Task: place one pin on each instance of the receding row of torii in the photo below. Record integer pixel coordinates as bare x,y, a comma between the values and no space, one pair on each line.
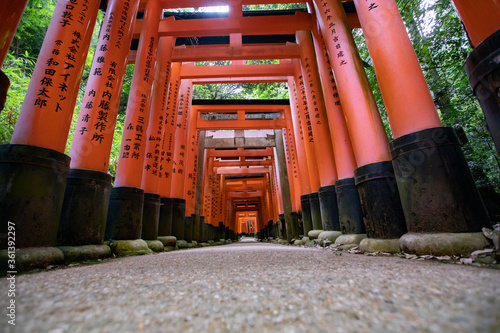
331,160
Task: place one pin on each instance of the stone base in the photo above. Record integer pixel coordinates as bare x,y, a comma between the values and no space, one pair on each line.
330,235
169,248
195,243
204,245
380,245
168,240
350,239
440,244
302,241
84,252
347,247
314,234
135,247
182,244
283,242
32,257
155,246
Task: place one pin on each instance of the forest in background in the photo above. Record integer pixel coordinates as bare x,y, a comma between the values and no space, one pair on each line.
436,32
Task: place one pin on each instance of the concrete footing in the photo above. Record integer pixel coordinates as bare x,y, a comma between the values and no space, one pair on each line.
380,245
32,257
440,244
350,239
155,245
329,235
182,244
133,247
84,252
314,234
168,240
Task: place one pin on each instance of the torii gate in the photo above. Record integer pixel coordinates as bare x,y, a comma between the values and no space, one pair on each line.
343,158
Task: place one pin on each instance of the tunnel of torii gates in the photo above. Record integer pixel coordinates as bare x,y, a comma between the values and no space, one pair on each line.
201,170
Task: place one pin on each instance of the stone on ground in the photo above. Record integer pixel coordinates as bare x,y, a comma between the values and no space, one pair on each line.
85,252
380,245
135,247
350,239
440,244
155,246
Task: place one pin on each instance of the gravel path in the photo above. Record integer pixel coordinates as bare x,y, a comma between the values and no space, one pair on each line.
255,287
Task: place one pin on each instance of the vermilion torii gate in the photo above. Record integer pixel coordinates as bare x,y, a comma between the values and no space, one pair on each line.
327,165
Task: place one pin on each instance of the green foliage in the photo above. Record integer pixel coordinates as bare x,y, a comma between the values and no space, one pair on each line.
32,27
19,71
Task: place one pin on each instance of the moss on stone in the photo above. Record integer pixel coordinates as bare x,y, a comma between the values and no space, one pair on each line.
168,240
155,246
134,247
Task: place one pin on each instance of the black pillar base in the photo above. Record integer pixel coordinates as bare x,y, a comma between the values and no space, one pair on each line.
437,191
165,220
124,220
295,222
151,216
483,69
203,230
380,202
85,208
178,213
188,229
329,209
306,213
32,186
350,213
315,211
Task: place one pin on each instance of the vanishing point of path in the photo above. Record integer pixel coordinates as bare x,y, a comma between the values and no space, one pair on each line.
256,287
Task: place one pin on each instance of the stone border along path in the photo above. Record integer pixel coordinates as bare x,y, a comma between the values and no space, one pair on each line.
257,287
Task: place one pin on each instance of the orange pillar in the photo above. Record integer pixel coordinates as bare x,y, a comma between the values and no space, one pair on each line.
480,18
192,163
181,151
46,113
33,167
169,131
152,171
367,133
305,222
96,123
83,218
130,160
9,20
307,130
305,185
342,148
432,183
165,221
374,177
179,163
407,98
317,110
127,198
